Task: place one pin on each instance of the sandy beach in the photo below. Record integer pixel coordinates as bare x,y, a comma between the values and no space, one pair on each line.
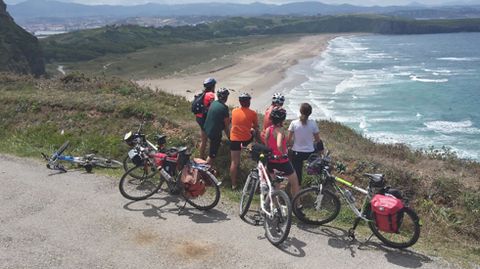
254,73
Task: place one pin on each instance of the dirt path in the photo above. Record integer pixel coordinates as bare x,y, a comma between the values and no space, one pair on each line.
78,220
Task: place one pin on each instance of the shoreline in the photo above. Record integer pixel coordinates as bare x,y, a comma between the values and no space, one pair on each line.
259,74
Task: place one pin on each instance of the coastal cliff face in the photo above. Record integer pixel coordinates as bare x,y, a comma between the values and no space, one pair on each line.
20,52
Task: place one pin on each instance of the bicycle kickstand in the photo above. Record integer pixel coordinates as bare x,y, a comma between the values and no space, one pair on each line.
351,231
182,208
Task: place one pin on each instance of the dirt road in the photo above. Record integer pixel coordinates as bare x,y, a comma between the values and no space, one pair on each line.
78,220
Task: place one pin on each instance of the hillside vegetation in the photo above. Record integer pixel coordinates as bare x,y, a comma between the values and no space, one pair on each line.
20,52
90,44
95,112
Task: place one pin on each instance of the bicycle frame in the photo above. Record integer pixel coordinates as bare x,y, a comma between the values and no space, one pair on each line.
264,178
368,194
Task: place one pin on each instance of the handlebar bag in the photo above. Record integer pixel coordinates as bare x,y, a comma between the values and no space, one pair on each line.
388,212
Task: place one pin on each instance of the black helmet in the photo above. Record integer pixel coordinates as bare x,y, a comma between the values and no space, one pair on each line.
278,115
209,83
278,99
222,94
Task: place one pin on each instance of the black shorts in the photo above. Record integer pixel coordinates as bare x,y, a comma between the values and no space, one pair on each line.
286,168
237,145
201,121
214,146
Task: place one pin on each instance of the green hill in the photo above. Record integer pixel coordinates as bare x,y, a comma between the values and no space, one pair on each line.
95,112
20,52
90,44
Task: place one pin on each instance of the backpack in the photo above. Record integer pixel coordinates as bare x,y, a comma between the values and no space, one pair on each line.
198,103
388,212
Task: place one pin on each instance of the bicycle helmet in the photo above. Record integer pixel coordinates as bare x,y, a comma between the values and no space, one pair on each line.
244,99
278,115
209,83
222,94
278,99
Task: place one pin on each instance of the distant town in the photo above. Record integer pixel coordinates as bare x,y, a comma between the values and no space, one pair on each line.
42,27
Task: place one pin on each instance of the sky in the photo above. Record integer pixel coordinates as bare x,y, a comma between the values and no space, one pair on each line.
353,2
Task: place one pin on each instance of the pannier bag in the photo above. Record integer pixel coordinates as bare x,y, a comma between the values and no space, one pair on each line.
197,104
388,212
192,181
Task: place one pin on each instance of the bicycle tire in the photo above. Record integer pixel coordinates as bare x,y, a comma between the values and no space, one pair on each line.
282,215
62,148
204,202
251,185
105,162
309,212
137,189
408,229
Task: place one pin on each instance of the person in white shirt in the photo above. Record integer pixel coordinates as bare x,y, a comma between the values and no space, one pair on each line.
306,139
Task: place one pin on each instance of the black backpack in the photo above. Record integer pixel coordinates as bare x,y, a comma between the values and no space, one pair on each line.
197,104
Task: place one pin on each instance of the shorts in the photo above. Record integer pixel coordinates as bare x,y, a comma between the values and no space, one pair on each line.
201,121
237,145
214,146
286,168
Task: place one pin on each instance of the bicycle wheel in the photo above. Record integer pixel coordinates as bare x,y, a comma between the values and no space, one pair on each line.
408,230
278,226
312,207
248,192
207,200
139,188
62,148
105,162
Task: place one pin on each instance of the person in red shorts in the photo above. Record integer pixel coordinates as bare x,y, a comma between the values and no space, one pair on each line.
277,101
244,126
209,90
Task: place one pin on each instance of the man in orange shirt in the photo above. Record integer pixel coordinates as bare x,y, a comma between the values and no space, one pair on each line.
209,90
244,126
277,100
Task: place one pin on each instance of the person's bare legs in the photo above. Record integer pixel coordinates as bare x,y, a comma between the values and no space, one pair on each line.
235,161
293,180
203,143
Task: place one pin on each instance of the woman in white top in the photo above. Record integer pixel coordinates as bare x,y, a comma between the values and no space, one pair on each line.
306,137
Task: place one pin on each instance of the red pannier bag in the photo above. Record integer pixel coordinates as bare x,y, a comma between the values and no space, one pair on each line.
192,181
387,211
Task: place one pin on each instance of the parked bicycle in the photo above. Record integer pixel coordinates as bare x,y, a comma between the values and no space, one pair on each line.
139,138
275,205
88,161
190,178
318,205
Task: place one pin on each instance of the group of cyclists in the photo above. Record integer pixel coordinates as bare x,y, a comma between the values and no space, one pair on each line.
242,127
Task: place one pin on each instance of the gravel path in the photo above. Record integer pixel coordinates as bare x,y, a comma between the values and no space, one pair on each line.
78,220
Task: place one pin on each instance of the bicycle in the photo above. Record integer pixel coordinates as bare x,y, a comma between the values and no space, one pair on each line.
169,167
275,205
133,139
88,161
319,205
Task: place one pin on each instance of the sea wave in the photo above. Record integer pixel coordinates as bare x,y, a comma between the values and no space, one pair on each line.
428,80
450,127
459,59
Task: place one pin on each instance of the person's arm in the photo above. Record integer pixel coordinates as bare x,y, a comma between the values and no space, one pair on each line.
316,137
290,134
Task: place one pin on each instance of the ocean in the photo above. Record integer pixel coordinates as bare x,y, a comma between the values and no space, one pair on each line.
420,90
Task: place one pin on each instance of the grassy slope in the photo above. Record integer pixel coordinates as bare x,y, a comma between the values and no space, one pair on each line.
95,112
163,59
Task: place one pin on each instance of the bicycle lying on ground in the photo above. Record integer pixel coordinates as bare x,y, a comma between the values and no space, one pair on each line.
88,161
275,205
190,178
318,205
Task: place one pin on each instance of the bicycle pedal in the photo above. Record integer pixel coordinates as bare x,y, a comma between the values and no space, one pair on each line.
351,234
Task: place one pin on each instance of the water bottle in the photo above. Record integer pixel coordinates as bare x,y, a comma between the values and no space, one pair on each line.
349,196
